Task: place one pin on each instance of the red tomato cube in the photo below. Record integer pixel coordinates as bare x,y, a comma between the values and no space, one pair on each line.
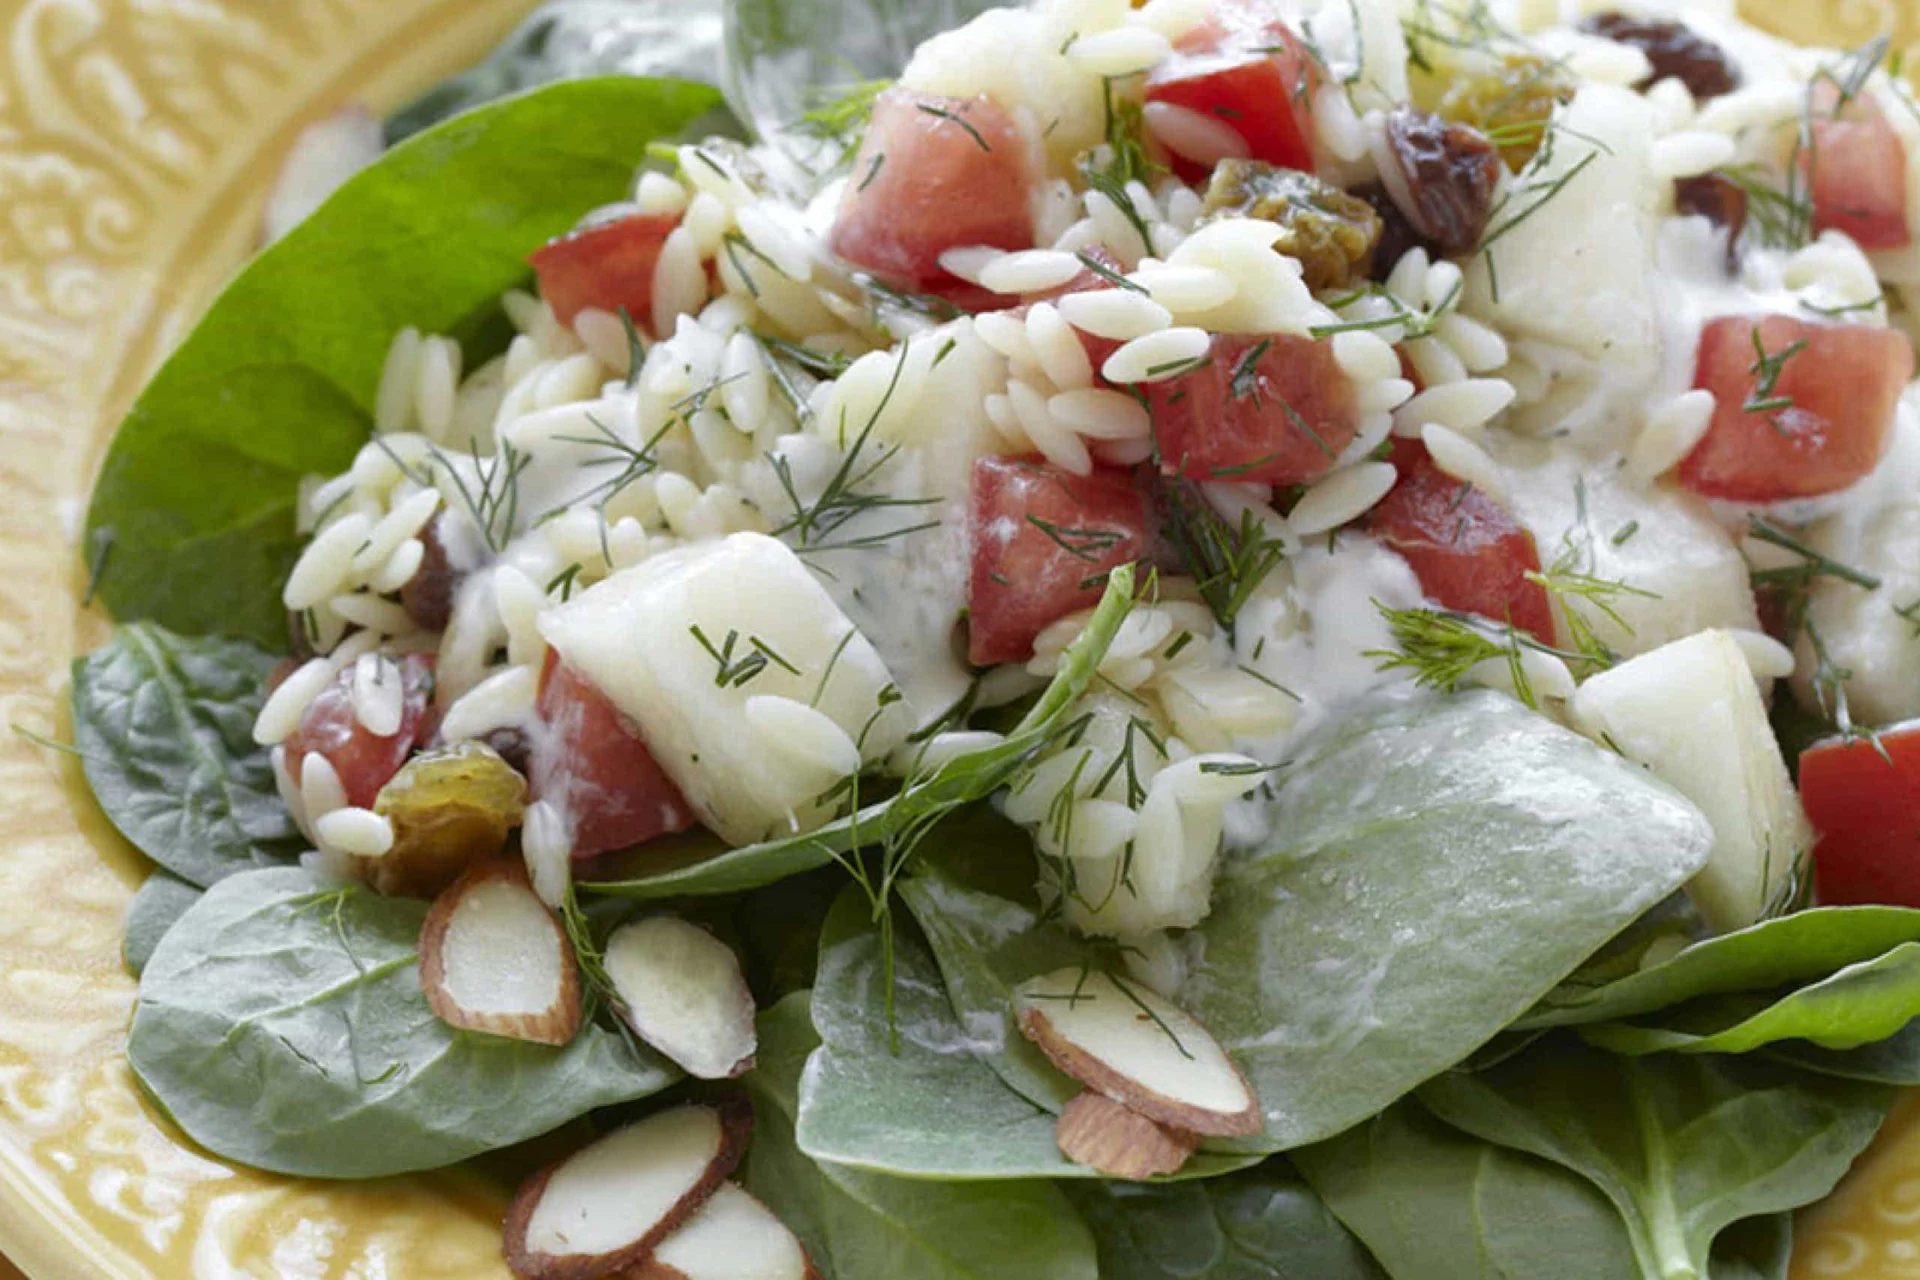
591,762
364,760
1275,411
1043,542
608,267
1467,551
1858,170
934,174
1246,69
1821,424
1866,809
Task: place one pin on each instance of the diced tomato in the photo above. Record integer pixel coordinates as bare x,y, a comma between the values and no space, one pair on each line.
1245,68
1858,167
1043,541
934,174
1275,411
1867,813
606,267
592,763
1823,422
365,761
1467,551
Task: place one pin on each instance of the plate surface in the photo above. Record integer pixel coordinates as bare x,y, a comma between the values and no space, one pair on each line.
136,141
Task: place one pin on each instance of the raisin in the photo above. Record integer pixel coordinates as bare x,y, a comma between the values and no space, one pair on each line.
428,595
1450,171
1330,233
1512,105
1397,236
1721,201
1675,49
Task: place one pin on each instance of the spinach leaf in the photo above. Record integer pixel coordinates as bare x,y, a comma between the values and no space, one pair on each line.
164,726
1682,1146
281,1025
1261,1224
575,39
972,894
901,820
196,497
1432,1202
156,905
1790,950
1431,871
1895,1060
1861,1004
1756,1249
866,1226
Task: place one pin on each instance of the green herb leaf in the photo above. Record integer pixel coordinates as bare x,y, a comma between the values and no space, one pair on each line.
160,901
278,379
1894,1061
1432,871
281,1024
164,726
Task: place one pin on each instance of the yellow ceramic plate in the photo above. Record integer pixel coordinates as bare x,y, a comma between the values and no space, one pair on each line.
136,141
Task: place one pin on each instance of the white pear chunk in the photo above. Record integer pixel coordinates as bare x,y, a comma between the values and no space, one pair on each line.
732,1237
493,959
1118,1142
607,1206
748,682
1122,1040
1691,713
682,991
1864,631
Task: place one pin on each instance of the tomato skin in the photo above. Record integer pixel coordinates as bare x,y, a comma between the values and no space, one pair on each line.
1858,167
364,762
1023,577
589,760
934,174
1245,68
1845,386
1867,814
606,267
1214,425
1467,551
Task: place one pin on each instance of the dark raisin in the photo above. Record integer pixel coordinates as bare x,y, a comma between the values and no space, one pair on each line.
1721,201
428,595
1450,171
1397,236
1330,233
512,746
1675,49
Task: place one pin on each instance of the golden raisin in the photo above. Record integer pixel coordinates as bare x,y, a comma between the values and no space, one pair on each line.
1331,233
1511,106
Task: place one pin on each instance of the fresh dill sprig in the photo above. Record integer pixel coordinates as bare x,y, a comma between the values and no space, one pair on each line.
1813,564
840,115
1082,544
732,672
1769,367
43,741
1228,564
955,118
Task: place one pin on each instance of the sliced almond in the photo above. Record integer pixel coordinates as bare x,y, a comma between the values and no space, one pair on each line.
682,991
1098,1132
1120,1039
609,1205
493,959
732,1237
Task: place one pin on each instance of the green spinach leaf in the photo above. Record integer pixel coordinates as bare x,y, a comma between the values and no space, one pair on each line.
899,821
160,901
1432,871
196,497
1794,949
1261,1224
1432,1202
1895,1060
1682,1146
281,1024
867,1226
1755,1249
1861,1004
164,726
575,39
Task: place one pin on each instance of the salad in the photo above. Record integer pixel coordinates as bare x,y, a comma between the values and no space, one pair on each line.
1214,638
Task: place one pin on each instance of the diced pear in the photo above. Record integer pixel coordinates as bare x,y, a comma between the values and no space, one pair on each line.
1691,713
753,690
1863,630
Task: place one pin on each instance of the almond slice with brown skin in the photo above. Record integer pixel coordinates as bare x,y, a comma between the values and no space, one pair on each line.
732,1237
606,1208
1098,1132
494,959
1120,1039
682,991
